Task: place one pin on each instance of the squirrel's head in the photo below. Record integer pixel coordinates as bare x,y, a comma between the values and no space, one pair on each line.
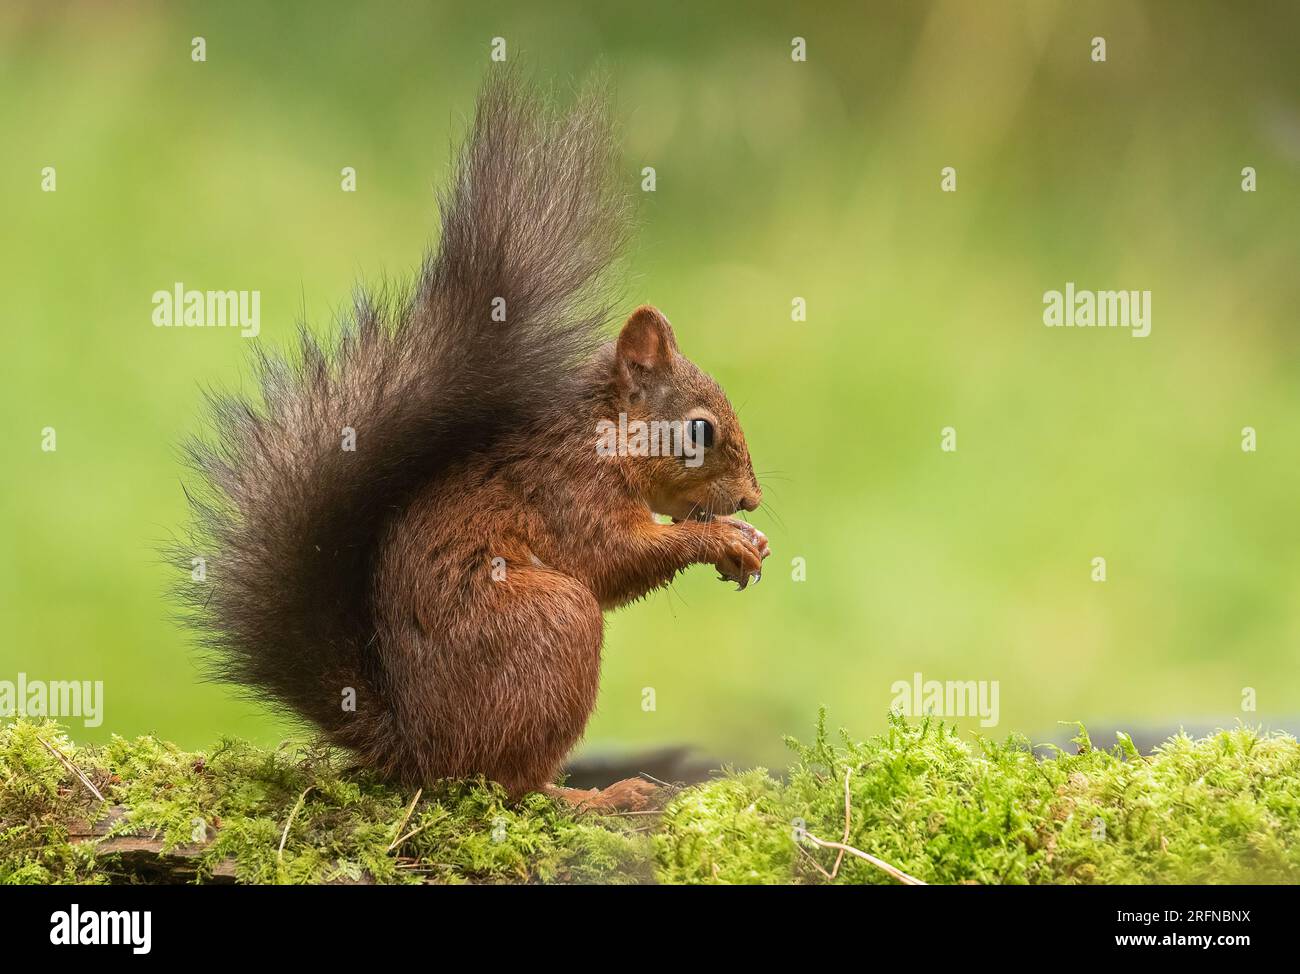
685,449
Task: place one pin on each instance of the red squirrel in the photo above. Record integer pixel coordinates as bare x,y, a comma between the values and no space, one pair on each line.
411,535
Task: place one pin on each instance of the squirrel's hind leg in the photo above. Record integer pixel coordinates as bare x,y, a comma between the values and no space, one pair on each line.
539,654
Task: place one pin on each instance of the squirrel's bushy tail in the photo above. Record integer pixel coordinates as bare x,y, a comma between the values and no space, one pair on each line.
287,520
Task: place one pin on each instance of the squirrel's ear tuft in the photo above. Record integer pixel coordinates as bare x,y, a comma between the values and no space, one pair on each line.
646,343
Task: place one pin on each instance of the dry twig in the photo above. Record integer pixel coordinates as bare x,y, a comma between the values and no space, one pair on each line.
292,815
405,818
843,847
71,767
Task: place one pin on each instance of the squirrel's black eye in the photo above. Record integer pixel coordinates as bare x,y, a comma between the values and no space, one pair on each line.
701,432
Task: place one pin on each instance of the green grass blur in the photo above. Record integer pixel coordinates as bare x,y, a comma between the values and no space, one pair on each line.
775,180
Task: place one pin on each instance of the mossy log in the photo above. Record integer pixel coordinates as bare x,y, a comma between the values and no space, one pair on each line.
145,855
914,804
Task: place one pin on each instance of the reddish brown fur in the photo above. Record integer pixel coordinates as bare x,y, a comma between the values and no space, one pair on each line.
354,588
500,676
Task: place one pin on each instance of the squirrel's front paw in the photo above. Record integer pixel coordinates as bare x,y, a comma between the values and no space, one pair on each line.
743,549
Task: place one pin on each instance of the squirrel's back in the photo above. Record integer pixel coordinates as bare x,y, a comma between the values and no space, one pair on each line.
289,521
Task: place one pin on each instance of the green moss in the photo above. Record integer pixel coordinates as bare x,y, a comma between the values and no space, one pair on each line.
1222,809
37,801
236,801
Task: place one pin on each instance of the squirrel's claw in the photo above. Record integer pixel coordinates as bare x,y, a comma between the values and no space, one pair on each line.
741,581
742,561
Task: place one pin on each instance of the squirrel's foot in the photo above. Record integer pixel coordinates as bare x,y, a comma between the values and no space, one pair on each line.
745,547
628,795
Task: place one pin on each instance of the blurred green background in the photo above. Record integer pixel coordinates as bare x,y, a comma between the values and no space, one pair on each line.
775,180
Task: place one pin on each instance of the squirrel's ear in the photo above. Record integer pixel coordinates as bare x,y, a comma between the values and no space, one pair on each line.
646,343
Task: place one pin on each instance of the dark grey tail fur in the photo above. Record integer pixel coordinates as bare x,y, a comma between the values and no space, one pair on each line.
287,520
